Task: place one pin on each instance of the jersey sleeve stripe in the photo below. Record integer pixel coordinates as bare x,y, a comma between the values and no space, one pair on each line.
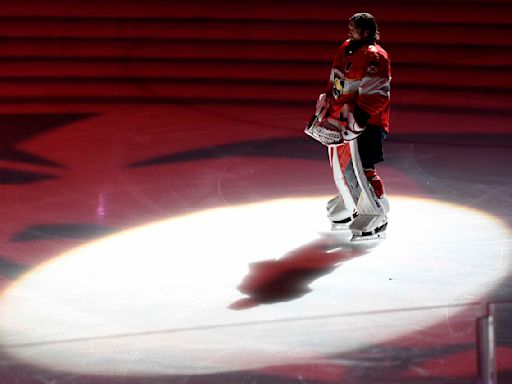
372,86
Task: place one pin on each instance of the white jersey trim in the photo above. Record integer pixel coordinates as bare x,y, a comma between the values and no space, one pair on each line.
374,86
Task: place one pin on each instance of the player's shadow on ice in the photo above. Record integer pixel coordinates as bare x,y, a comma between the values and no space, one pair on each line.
289,277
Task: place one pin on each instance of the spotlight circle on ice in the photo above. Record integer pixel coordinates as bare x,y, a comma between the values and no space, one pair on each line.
161,298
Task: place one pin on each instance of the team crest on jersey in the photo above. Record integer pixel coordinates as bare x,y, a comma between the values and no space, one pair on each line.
373,67
337,81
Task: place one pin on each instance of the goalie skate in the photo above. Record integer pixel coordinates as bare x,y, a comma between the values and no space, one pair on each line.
375,234
340,225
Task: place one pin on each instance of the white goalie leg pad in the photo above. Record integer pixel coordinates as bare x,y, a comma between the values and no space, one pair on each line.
341,209
336,209
331,203
385,203
368,202
339,215
379,232
372,210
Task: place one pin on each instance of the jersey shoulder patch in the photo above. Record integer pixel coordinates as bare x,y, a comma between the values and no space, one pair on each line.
376,60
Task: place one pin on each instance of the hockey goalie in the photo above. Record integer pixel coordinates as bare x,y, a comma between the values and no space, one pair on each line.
352,120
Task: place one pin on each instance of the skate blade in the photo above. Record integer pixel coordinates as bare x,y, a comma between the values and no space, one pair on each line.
375,236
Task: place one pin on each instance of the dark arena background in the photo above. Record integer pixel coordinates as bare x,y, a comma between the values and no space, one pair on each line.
163,213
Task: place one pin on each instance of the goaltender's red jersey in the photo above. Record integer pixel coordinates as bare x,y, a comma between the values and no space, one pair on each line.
363,77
